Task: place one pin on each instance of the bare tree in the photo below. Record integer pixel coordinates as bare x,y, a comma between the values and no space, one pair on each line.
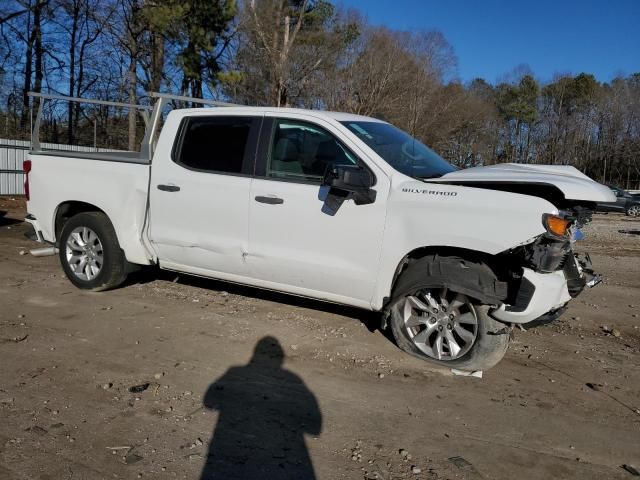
283,47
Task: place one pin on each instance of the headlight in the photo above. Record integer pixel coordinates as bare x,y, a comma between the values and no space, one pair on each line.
555,225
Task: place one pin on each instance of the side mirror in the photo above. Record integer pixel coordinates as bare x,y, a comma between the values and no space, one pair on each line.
351,179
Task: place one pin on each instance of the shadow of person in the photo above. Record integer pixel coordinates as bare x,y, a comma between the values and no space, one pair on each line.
264,412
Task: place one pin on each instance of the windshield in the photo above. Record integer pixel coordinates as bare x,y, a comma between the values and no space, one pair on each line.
401,150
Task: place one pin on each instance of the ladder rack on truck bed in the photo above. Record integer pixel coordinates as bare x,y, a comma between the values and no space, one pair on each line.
151,122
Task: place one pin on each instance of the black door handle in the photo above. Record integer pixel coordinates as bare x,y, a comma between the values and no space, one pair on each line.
269,200
169,188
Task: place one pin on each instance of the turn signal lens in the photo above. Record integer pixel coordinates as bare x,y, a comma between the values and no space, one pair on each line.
555,225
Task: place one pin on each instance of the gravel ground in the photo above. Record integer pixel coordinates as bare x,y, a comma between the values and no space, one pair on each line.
153,379
603,234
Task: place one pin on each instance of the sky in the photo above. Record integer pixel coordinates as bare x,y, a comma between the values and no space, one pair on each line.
492,37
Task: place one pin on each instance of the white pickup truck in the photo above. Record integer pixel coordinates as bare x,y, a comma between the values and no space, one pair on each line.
332,206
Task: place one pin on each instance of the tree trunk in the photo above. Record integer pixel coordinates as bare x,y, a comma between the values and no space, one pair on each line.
516,149
72,70
157,61
28,65
132,72
37,29
528,145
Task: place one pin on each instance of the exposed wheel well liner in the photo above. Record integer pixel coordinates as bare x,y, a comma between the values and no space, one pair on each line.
470,272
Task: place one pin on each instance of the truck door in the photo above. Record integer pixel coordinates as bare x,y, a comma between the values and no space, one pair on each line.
297,242
199,195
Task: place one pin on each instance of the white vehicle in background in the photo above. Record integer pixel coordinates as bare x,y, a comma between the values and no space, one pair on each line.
332,206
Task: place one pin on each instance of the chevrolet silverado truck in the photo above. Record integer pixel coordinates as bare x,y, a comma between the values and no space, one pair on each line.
332,206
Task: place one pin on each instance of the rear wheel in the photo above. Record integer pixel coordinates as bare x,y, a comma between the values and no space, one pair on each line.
633,211
90,254
443,326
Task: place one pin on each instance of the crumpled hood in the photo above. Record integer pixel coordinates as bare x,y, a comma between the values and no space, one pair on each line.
573,184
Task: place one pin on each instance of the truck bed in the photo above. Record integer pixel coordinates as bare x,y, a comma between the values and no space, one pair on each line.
113,182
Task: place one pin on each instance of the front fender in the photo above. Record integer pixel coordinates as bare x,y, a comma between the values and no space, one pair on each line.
424,214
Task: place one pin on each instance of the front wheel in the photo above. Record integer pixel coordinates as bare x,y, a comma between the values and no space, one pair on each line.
90,254
633,211
443,326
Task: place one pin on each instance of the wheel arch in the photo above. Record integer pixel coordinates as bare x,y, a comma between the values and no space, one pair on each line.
476,258
67,209
128,231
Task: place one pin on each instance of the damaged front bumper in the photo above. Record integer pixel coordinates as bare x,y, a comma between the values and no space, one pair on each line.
545,274
539,293
544,295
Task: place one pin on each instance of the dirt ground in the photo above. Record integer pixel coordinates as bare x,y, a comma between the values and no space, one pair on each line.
326,395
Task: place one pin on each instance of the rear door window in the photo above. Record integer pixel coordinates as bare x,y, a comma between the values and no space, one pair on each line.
218,144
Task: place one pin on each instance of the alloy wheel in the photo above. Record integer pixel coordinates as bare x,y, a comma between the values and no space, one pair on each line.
84,253
440,323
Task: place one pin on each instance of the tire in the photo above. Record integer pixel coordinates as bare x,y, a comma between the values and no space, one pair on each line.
481,340
633,211
90,238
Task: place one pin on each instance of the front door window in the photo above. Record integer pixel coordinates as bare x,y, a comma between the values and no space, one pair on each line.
302,151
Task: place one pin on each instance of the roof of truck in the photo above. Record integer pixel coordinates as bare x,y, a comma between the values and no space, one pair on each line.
338,116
